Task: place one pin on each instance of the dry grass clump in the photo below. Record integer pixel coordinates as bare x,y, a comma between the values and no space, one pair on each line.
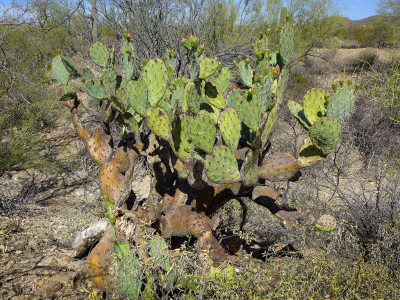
362,61
316,275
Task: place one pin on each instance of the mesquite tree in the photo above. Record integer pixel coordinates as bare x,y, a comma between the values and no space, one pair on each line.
204,142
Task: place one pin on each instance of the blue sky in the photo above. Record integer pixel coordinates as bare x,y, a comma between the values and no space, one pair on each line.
357,9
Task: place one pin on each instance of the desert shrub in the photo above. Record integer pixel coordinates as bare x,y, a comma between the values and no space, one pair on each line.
350,44
362,61
383,85
28,106
21,128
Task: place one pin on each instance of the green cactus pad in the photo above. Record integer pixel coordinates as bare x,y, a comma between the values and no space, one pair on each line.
314,105
123,98
265,94
221,165
156,78
164,104
191,99
209,111
270,125
208,66
274,59
249,110
194,68
87,74
282,84
159,122
229,125
121,82
278,167
109,79
325,134
177,96
256,88
248,173
202,132
232,98
298,112
129,277
262,43
171,60
181,139
286,43
95,89
129,59
214,95
99,54
261,68
326,222
223,79
69,63
246,73
341,103
59,70
137,96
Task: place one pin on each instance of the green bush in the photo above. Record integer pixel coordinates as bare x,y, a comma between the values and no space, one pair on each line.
27,102
383,85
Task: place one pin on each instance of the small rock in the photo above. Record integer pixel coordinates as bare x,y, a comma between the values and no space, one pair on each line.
20,246
77,264
18,252
50,289
88,237
61,277
49,261
33,244
10,271
40,282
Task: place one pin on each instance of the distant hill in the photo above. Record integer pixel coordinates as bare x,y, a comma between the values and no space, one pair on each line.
362,22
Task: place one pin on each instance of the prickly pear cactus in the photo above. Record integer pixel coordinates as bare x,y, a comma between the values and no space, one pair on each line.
204,142
322,115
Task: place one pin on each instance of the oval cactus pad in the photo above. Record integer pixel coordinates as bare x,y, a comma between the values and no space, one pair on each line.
314,105
325,134
214,95
342,103
180,136
158,121
59,71
278,167
221,166
208,66
156,78
229,125
223,79
202,132
137,96
250,110
99,54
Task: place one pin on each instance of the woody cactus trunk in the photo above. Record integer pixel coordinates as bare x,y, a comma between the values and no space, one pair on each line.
204,143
